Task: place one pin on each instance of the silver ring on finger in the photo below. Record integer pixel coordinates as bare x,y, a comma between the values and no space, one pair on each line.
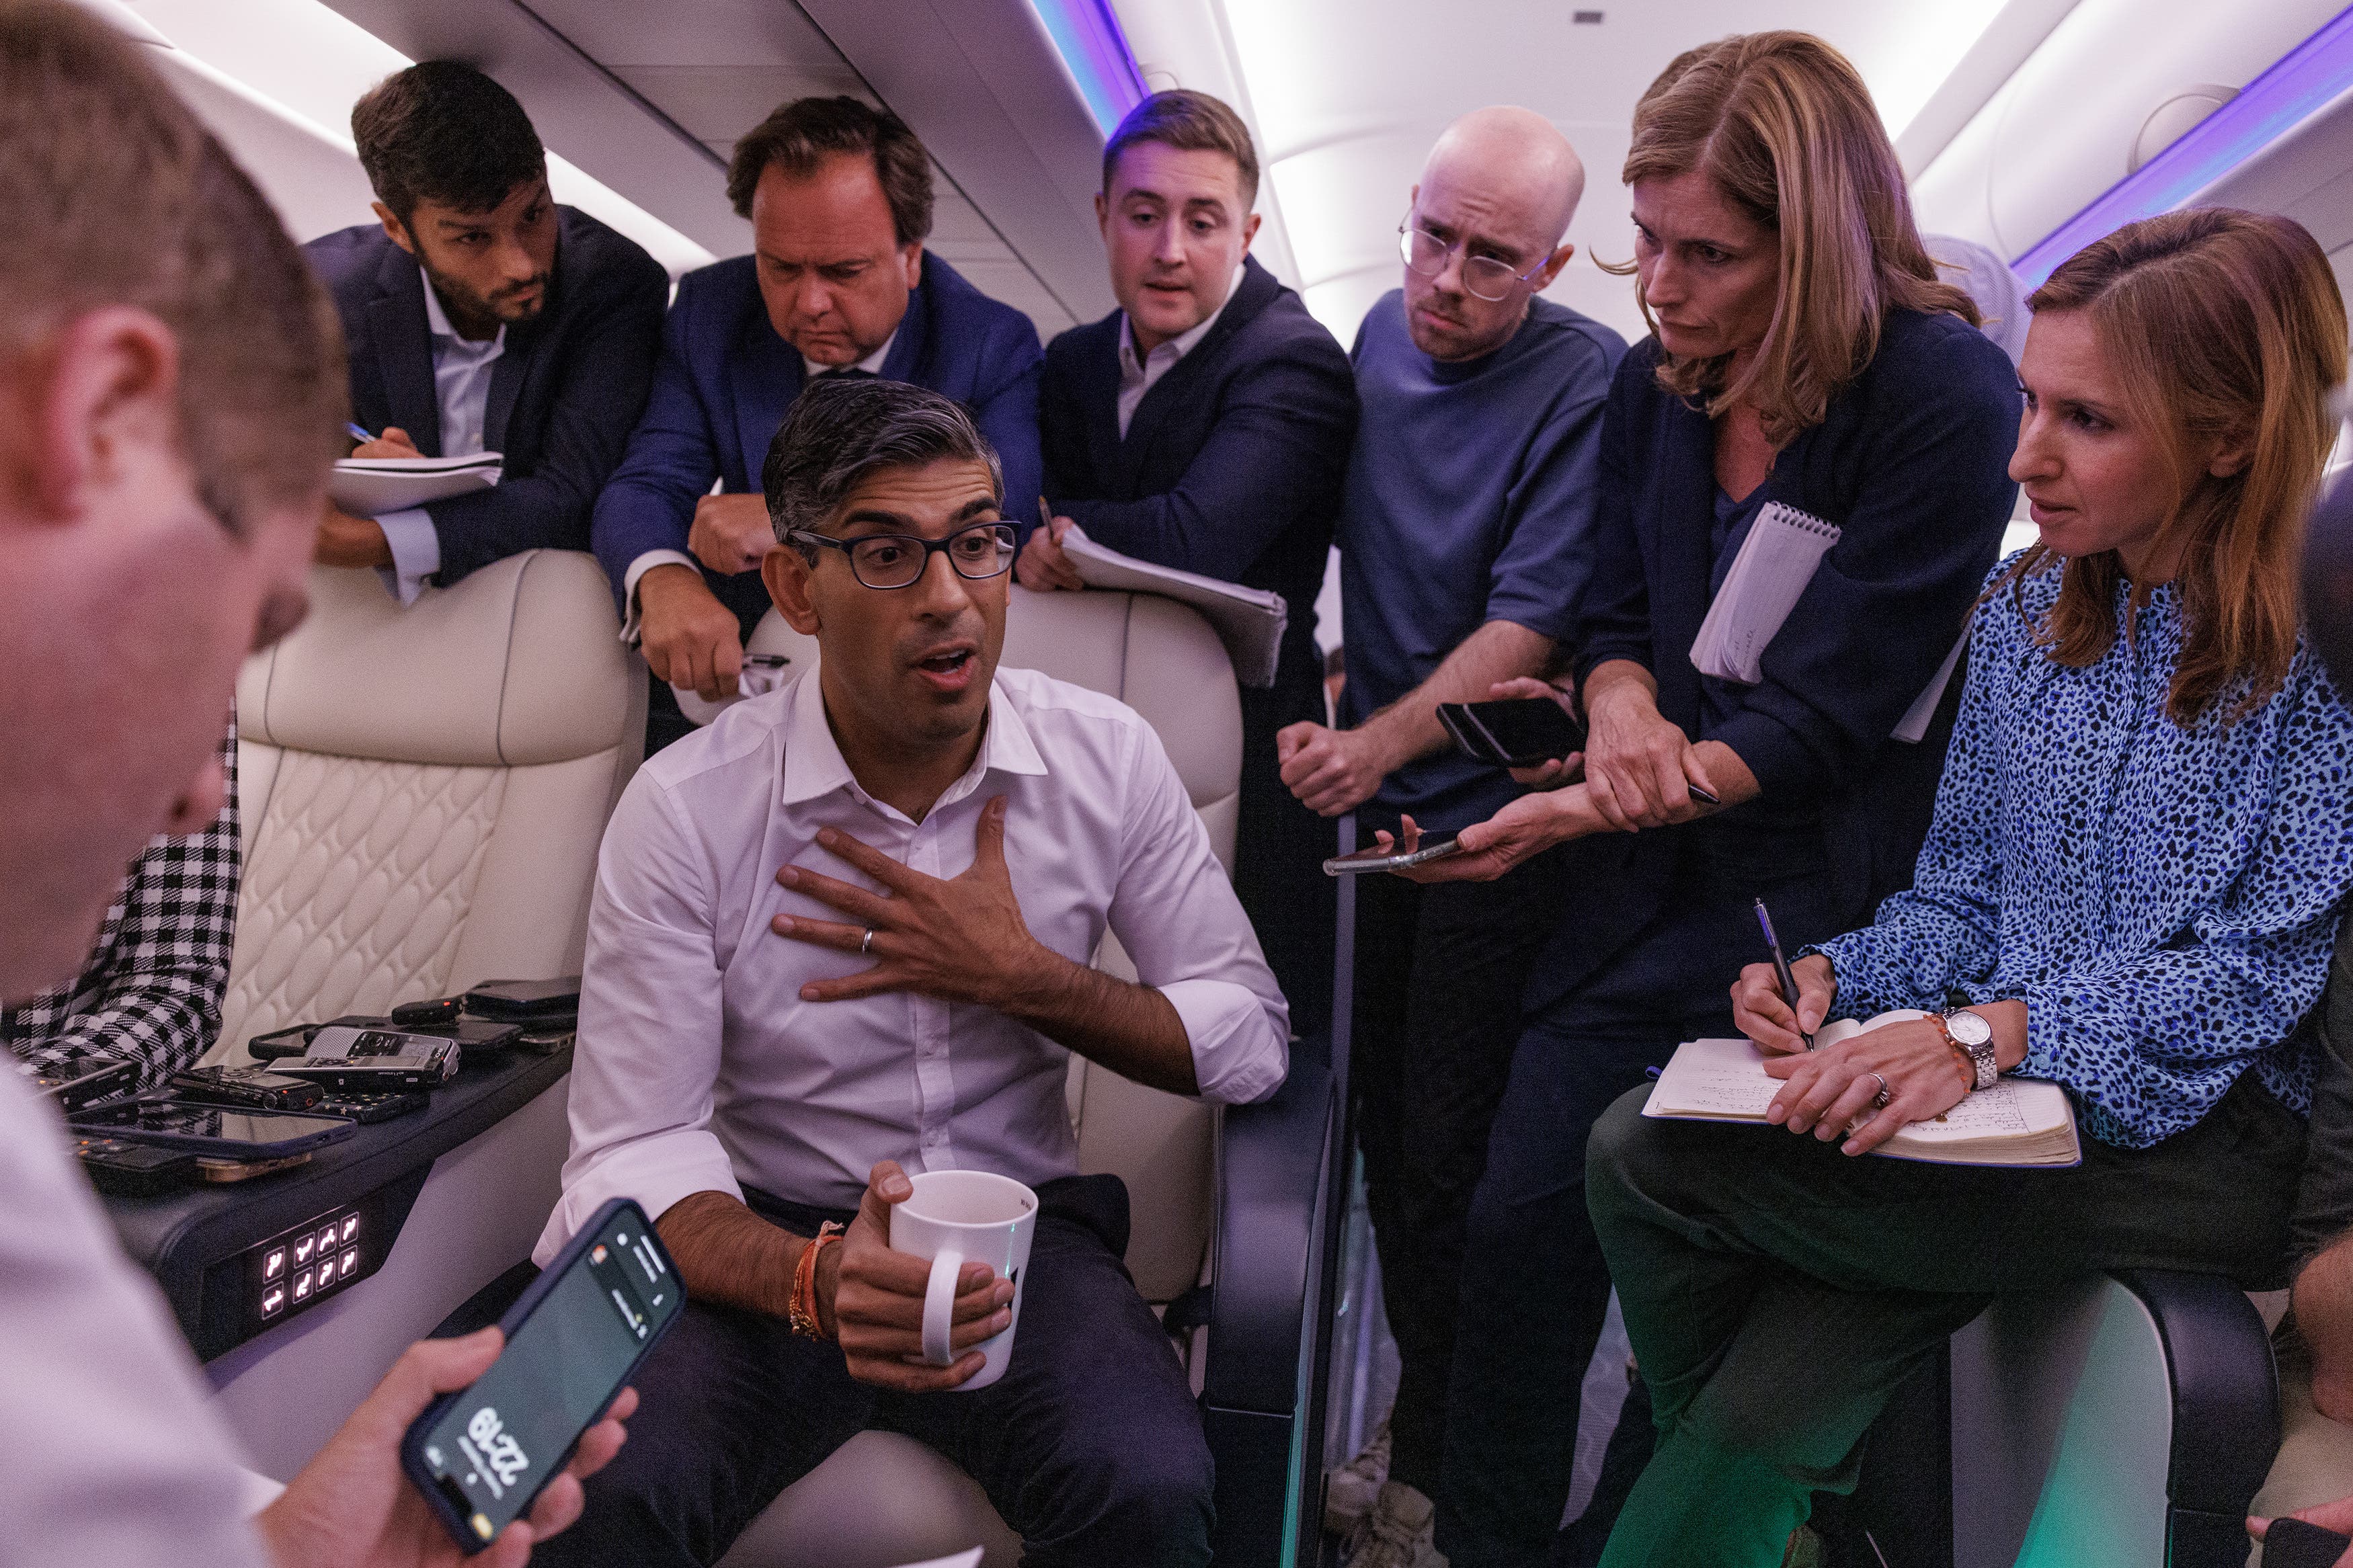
1880,1099
866,945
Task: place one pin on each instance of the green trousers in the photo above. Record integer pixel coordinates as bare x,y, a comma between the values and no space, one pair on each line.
1777,1291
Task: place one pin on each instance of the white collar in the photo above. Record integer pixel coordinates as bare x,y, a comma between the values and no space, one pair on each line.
871,365
1184,342
436,322
814,766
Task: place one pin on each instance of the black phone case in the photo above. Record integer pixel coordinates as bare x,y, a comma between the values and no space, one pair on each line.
412,1442
1574,735
217,1148
2292,1544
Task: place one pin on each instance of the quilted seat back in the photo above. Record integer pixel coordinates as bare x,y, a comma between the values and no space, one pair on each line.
424,789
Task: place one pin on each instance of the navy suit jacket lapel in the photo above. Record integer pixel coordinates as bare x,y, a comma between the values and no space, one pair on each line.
768,377
404,347
1171,392
508,374
909,358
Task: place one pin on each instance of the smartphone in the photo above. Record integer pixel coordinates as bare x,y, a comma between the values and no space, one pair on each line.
525,999
481,1455
2292,1544
217,1131
1513,731
79,1084
1390,859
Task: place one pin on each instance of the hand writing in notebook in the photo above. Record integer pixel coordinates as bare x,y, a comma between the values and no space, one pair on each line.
1760,1011
1826,1090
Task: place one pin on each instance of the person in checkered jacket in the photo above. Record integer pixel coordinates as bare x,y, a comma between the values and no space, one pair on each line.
150,993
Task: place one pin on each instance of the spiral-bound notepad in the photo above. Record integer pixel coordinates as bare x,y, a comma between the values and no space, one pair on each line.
1775,564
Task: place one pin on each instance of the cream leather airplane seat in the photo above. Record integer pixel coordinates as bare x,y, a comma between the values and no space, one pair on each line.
424,789
883,1498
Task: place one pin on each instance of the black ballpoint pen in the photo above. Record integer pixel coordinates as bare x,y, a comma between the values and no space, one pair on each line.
1781,970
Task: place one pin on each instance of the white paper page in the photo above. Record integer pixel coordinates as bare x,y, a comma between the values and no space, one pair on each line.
370,487
1249,621
1915,722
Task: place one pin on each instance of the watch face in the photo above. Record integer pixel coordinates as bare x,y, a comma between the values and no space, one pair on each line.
1969,1029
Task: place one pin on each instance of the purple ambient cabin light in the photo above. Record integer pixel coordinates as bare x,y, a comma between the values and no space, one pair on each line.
2304,80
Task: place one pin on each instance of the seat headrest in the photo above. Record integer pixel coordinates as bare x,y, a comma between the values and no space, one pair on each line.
520,663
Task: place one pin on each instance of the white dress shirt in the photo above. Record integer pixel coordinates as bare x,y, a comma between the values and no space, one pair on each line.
110,1453
647,559
699,1068
461,393
1136,375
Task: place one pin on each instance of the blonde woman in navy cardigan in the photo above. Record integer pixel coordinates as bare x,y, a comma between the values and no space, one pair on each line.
1804,352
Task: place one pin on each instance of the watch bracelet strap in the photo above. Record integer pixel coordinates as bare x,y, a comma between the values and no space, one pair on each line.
1978,1078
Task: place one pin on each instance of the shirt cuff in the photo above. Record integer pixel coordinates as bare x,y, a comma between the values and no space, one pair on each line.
415,552
638,568
1241,1046
658,1171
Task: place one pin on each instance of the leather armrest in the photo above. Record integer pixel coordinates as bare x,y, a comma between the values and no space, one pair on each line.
1272,1160
2225,1385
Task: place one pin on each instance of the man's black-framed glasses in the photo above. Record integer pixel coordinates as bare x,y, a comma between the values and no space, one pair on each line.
900,559
1482,275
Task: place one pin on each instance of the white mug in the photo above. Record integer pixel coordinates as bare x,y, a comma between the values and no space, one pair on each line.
955,1217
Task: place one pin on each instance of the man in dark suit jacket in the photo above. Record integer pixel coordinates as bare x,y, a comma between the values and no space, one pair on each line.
840,197
1205,425
480,316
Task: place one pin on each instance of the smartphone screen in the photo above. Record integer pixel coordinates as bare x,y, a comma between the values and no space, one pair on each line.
492,1447
177,1121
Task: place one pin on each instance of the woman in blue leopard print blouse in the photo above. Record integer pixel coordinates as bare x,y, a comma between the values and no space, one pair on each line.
2142,848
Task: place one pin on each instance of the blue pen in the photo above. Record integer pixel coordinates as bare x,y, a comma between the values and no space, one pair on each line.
1781,969
357,433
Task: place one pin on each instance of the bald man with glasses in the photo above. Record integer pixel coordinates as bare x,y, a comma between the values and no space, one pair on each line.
1463,537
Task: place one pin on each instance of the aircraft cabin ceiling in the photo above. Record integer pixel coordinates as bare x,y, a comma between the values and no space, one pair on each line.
2012,115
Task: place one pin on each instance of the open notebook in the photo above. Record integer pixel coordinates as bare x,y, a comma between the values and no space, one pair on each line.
2018,1121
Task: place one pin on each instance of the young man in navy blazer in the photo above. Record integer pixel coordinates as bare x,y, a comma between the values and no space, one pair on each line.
840,197
1205,425
481,317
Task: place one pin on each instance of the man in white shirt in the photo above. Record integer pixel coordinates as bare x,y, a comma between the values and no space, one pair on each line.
843,934
168,407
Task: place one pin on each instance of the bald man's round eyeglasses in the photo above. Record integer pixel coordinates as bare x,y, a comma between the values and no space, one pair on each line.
1482,275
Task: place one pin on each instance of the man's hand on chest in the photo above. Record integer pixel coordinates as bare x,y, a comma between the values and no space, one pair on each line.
959,939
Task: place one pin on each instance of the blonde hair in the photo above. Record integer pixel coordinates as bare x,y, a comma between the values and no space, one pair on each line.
1784,127
2222,327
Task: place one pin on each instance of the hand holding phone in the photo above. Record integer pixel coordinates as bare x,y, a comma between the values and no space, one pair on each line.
351,1504
481,1455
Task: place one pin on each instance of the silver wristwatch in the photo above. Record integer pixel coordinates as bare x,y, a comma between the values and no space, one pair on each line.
1970,1034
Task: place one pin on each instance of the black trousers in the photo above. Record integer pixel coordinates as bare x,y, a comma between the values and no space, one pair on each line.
1439,972
1534,1286
1089,1446
1280,847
